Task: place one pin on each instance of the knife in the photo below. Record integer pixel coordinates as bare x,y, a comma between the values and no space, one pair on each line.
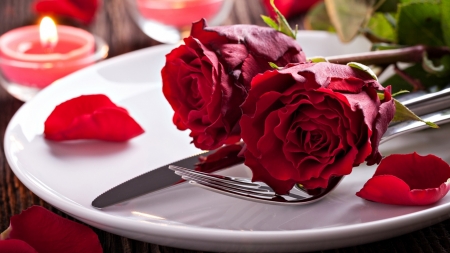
151,181
162,177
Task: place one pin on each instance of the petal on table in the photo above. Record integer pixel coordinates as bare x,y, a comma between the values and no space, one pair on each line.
15,246
47,232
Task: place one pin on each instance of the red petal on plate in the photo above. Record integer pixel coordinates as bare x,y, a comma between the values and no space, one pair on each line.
90,117
15,246
408,179
82,10
48,232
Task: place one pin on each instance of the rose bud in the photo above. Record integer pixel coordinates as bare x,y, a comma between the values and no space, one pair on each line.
409,179
309,122
207,79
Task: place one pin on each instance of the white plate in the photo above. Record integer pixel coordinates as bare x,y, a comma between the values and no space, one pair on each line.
70,175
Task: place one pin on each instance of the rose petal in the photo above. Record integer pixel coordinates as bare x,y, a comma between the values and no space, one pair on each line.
47,232
408,179
264,44
261,174
90,117
385,115
15,246
267,42
82,10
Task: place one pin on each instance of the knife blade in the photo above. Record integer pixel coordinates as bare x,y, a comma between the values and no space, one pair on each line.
162,177
146,183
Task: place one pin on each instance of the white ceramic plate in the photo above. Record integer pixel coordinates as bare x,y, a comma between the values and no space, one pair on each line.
70,175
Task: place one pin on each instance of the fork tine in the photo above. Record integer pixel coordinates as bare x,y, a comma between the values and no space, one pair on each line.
218,178
230,183
231,191
244,189
225,185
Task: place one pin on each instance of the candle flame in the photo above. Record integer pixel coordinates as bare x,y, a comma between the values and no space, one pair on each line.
48,33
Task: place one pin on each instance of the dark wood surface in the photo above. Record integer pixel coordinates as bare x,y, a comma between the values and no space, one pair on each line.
114,25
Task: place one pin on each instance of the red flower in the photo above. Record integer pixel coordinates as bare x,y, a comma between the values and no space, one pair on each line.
207,79
408,179
90,117
82,10
289,8
39,230
309,122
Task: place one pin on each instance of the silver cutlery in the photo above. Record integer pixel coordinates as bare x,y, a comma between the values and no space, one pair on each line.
244,188
161,177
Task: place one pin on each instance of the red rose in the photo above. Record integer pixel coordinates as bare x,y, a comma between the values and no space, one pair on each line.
309,122
207,79
408,179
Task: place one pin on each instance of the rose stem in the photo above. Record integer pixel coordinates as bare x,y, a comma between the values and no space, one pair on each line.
406,54
416,84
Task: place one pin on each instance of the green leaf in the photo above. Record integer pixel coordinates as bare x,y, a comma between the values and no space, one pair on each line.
400,92
402,113
349,16
381,27
445,20
317,19
428,66
282,24
416,71
274,66
318,59
420,23
439,67
364,68
270,22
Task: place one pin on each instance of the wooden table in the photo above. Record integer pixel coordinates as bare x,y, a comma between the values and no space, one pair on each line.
115,26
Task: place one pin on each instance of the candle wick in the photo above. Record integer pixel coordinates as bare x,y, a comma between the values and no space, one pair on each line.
48,46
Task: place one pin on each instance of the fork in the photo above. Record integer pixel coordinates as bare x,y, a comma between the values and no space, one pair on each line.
260,192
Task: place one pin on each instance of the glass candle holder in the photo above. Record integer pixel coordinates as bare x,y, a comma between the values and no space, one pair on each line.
26,68
168,21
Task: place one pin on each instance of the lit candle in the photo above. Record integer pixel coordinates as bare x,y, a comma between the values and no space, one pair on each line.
36,56
178,13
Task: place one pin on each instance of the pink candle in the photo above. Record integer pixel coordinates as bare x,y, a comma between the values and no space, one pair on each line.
28,61
178,13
